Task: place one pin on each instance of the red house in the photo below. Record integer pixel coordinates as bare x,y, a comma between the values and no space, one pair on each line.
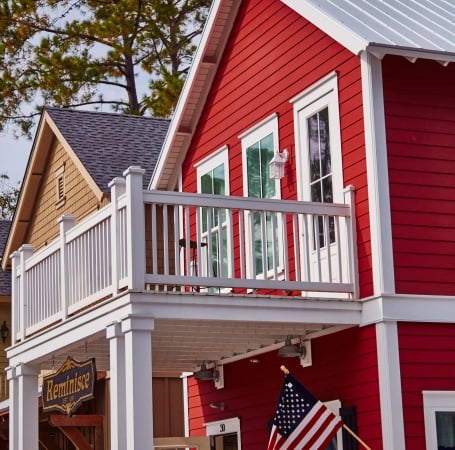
360,98
302,205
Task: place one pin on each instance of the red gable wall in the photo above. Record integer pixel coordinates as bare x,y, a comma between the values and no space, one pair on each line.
344,368
420,120
273,54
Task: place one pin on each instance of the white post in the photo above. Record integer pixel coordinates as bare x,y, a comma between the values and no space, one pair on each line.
15,296
138,382
117,186
66,222
28,420
351,235
13,385
117,386
135,228
26,251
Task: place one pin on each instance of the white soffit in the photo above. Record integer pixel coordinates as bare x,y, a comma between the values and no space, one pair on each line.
406,26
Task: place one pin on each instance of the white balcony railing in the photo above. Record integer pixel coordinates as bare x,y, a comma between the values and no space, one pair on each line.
182,242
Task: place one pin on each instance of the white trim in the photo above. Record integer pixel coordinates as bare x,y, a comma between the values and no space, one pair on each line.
377,175
213,155
258,125
390,385
408,308
217,158
226,426
334,407
434,401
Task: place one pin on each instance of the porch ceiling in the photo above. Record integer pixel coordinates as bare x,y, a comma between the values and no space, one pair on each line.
181,345
191,329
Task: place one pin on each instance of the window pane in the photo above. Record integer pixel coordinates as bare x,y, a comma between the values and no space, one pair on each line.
218,180
445,429
253,170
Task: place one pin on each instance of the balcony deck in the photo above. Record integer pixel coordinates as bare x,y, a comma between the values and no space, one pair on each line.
169,242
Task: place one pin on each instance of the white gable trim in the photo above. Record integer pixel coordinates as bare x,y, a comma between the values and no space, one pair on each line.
338,31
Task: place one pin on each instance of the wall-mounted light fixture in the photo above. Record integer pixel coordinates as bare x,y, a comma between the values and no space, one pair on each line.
276,165
4,331
216,375
303,351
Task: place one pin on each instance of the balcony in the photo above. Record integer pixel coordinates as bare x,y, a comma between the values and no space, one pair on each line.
158,242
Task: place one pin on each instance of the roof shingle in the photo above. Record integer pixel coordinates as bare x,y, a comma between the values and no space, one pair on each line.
108,143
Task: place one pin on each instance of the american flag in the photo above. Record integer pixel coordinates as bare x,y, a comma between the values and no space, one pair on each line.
301,421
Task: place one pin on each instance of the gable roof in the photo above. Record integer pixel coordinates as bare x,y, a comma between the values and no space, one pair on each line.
101,145
5,275
410,28
107,144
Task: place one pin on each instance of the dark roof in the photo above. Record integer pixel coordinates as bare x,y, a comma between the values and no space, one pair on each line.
5,275
107,143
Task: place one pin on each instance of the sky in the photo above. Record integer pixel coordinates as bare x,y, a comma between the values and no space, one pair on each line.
14,155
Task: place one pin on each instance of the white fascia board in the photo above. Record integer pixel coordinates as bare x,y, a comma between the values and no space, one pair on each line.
328,25
185,94
380,51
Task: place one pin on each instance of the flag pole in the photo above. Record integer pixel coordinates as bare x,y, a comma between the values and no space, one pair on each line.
355,436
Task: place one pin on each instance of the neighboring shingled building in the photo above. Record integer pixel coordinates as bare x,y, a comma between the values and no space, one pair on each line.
5,275
120,141
74,157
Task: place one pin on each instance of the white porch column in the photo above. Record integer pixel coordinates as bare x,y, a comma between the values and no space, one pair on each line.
135,229
390,385
138,379
27,417
13,384
117,386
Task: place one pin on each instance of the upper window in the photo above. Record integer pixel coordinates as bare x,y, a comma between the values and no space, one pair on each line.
212,178
439,414
259,144
319,174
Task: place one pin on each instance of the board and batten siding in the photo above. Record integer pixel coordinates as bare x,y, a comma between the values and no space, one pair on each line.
79,198
420,121
427,363
344,368
272,55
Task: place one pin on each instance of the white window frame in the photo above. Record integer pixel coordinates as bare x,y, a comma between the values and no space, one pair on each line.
435,401
262,129
322,94
334,406
217,158
316,97
226,426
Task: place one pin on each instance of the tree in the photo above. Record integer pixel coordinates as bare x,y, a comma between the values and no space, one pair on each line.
71,53
9,194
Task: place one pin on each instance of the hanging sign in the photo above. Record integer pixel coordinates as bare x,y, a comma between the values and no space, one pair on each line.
72,384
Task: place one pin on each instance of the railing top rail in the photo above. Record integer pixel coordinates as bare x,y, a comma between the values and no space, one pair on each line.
246,203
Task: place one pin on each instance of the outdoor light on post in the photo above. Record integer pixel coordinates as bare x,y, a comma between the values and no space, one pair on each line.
4,331
276,165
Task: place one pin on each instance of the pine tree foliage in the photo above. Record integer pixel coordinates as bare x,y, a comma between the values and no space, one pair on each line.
91,53
9,194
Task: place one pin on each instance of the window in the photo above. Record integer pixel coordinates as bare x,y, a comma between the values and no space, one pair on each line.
439,416
60,186
212,177
319,168
258,147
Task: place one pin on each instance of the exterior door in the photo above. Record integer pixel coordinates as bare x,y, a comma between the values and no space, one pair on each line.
320,177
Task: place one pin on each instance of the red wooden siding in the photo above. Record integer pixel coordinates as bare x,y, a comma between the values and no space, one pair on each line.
420,120
344,368
272,55
427,362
